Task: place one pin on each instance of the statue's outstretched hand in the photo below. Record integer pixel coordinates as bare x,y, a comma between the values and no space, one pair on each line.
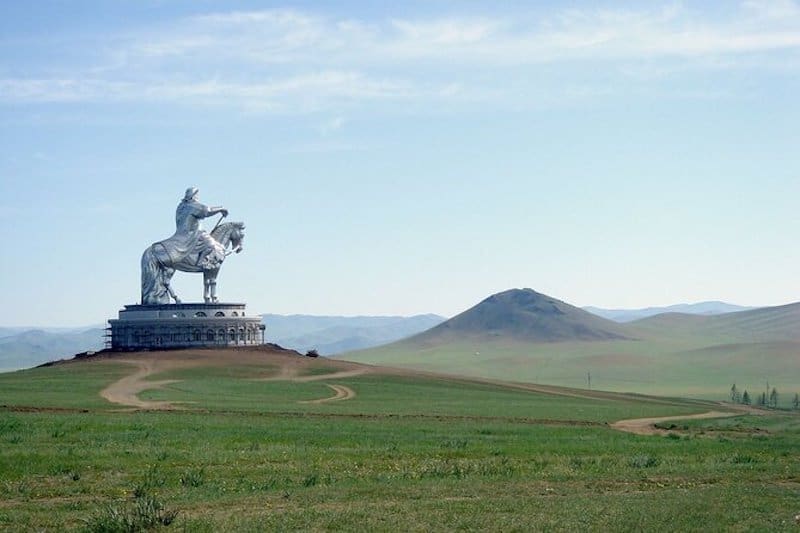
224,212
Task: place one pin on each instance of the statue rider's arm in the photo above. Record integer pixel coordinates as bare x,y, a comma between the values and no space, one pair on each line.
211,211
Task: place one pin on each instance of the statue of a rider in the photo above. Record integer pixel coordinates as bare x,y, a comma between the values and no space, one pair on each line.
189,249
190,237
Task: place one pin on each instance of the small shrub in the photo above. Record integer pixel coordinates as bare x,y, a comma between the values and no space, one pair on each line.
456,444
9,424
146,513
576,463
310,480
152,478
643,461
741,459
193,477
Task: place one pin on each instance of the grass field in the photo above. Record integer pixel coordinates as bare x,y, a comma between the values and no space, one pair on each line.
511,338
686,367
407,451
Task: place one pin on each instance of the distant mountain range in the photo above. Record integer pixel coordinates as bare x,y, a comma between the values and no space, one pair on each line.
27,348
329,335
701,308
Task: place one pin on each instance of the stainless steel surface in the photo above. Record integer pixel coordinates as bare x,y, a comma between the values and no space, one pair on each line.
189,249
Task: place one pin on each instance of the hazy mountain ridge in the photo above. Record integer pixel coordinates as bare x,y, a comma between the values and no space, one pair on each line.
700,308
27,347
765,324
330,335
36,346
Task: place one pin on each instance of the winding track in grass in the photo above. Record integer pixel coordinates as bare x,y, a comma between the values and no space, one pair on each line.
125,391
647,426
343,392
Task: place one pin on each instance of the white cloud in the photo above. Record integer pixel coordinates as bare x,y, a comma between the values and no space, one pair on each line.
304,92
285,60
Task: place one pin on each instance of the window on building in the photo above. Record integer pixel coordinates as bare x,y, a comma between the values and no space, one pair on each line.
219,313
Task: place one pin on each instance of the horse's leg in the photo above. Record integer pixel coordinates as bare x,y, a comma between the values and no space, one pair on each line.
212,278
168,273
206,287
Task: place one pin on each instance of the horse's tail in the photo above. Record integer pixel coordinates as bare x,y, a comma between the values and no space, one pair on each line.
154,291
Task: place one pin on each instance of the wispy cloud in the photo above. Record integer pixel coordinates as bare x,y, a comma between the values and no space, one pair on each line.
286,60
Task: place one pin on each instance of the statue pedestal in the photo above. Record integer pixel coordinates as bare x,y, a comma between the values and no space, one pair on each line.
185,325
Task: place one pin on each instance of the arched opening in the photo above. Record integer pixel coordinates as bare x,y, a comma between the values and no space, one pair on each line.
200,314
234,314
196,336
210,335
221,336
219,313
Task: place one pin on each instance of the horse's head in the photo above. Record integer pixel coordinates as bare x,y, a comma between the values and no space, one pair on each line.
237,236
230,233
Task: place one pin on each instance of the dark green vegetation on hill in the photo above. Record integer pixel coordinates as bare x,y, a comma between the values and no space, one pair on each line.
405,452
522,335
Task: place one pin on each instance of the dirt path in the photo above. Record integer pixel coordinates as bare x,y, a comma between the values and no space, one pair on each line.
646,426
334,375
342,393
125,391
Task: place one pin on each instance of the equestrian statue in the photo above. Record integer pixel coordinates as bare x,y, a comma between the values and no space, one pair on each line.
190,249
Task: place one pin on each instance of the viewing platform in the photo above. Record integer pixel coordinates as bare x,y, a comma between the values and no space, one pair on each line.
185,325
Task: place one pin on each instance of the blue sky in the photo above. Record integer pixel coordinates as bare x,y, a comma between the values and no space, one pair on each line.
402,159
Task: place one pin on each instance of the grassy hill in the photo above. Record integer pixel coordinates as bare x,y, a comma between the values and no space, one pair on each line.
674,354
522,315
260,439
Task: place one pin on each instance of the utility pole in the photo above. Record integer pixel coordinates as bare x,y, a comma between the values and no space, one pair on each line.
589,379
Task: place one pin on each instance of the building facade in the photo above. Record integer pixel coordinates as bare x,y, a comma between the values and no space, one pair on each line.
185,325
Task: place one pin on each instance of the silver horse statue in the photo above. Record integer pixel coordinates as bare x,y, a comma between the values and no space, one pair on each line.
190,249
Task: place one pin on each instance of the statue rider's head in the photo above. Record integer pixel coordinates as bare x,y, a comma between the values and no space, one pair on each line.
191,194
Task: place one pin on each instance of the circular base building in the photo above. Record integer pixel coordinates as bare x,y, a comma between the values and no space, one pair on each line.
185,325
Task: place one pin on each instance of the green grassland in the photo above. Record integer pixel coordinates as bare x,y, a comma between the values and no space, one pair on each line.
525,336
408,452
686,364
